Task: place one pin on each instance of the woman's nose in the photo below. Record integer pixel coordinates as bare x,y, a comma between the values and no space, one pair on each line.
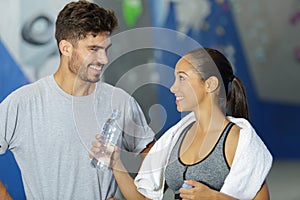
173,88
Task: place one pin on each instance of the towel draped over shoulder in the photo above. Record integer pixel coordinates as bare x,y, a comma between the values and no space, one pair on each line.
250,167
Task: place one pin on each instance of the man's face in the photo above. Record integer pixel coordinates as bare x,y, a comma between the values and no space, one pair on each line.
89,57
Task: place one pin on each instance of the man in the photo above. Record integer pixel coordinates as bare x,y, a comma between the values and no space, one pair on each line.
47,124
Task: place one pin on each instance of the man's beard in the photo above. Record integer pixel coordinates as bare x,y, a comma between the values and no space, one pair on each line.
81,70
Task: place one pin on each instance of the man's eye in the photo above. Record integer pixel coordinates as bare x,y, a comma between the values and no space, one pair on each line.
181,78
94,48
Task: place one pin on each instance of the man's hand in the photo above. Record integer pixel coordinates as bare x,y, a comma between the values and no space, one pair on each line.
3,193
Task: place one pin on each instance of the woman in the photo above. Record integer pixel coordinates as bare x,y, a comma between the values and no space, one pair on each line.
216,156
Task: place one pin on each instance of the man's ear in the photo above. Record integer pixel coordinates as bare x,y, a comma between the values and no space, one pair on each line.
212,83
65,47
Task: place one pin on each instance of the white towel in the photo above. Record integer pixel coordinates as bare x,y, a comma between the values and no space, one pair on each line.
251,165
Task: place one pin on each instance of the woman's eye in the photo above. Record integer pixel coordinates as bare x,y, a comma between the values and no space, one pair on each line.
181,78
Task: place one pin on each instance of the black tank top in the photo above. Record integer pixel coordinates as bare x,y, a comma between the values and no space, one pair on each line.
211,171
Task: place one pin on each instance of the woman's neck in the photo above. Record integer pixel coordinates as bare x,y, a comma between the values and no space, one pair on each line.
209,120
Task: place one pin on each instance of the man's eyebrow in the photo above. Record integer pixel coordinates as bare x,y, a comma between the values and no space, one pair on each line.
100,47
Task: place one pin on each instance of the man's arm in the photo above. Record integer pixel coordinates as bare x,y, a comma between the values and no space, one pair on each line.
3,193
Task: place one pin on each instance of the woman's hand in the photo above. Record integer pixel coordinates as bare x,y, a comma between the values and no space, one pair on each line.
110,154
200,191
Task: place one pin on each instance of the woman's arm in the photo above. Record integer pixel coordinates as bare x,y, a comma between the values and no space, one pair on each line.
263,193
3,193
124,179
126,182
201,191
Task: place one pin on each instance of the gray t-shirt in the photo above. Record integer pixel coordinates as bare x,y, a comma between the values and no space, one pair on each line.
50,134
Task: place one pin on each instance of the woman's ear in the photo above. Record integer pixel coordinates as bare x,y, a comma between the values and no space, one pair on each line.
212,83
65,48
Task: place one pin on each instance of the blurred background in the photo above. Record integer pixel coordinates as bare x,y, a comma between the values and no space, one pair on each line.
260,38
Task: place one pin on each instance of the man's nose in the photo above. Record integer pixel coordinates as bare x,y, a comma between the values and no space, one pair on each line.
102,58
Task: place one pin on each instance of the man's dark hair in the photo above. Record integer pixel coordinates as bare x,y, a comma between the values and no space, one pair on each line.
79,19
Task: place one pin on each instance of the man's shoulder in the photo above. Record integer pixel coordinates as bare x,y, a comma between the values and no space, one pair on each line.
27,91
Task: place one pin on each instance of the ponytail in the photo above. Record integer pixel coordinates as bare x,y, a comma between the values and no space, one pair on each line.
236,99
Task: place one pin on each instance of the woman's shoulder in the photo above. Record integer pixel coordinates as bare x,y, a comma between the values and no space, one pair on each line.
232,143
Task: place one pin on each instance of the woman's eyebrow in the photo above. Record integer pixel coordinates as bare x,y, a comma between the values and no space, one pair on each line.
182,72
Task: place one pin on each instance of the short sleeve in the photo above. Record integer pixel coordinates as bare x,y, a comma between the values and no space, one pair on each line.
137,133
8,123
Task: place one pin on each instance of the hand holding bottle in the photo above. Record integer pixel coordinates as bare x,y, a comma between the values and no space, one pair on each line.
107,159
107,142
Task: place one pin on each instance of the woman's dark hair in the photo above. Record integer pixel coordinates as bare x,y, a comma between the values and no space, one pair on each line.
79,19
204,60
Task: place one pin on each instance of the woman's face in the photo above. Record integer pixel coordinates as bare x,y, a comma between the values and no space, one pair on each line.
188,87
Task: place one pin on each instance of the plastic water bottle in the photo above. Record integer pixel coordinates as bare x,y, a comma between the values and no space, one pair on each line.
109,139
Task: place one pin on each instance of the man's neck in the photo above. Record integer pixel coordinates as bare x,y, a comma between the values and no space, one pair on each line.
73,85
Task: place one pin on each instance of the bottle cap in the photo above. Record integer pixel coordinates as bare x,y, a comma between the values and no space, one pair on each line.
184,185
